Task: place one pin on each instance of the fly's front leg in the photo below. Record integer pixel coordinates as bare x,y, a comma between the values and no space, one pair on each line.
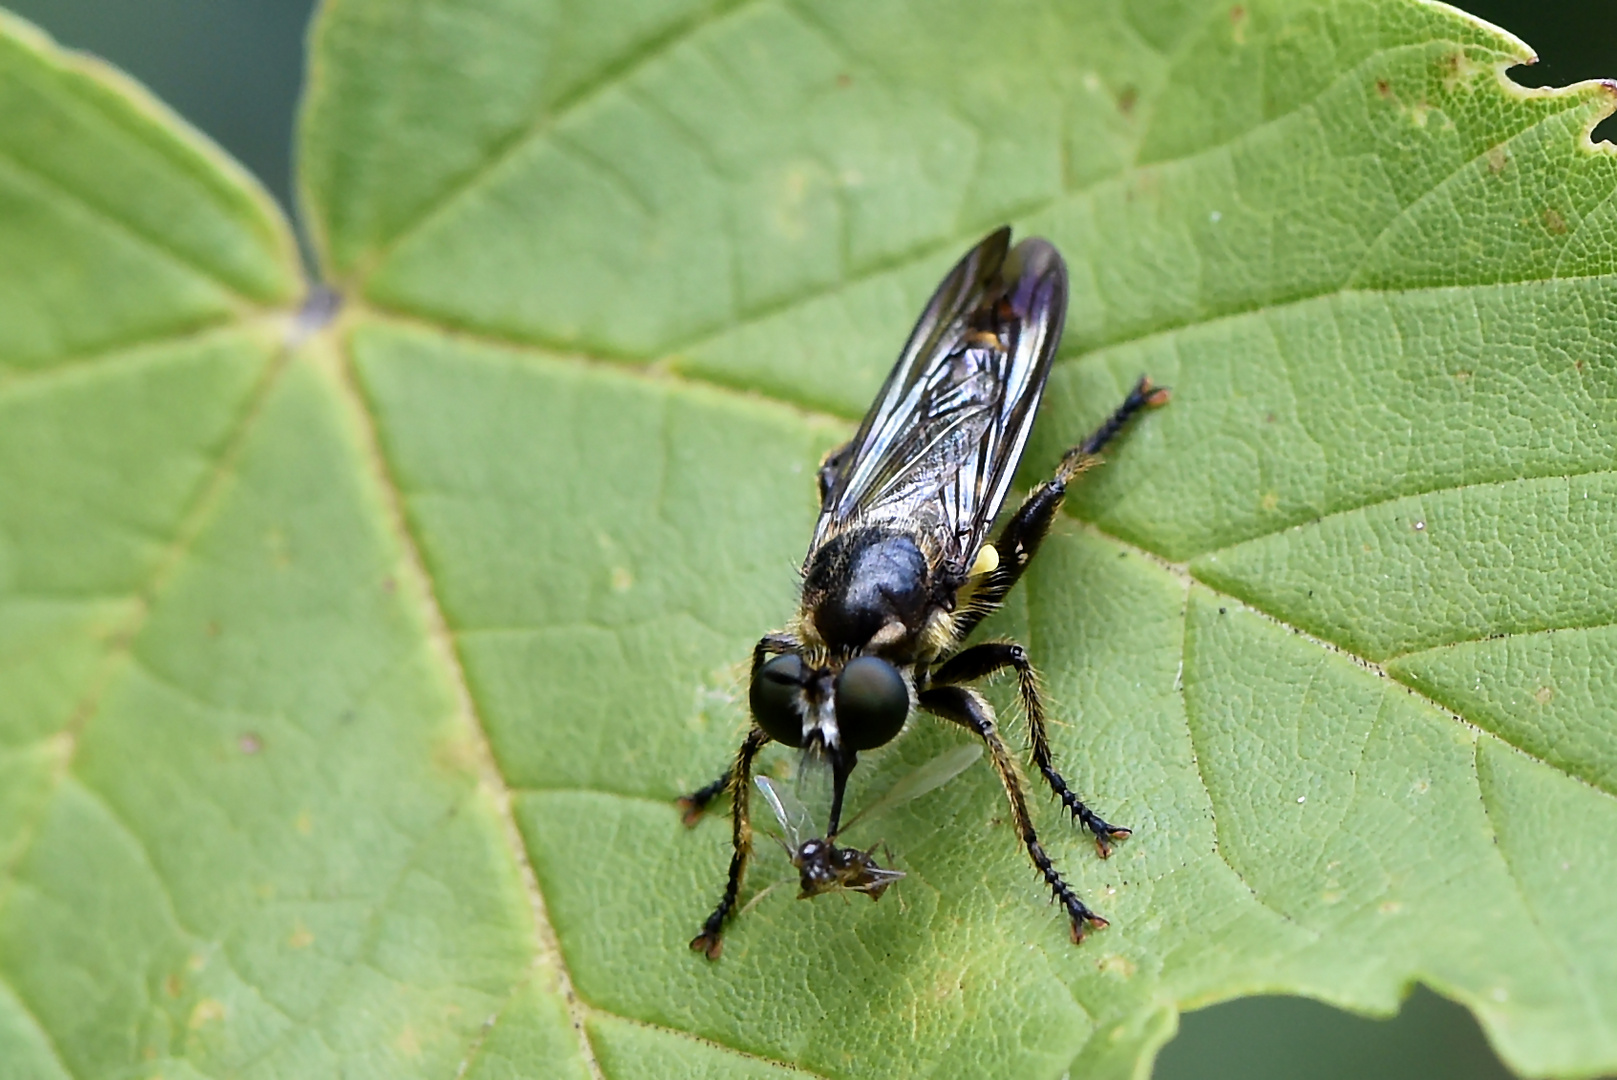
692,806
983,660
710,940
964,707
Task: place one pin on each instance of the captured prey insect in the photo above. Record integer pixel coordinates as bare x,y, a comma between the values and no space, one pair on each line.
900,569
824,867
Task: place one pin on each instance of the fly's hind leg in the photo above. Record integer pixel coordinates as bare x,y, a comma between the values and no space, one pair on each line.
983,660
1019,541
710,940
964,707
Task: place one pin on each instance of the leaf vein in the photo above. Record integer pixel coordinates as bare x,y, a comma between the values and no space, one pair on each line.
547,944
155,244
44,1032
549,119
1524,895
209,491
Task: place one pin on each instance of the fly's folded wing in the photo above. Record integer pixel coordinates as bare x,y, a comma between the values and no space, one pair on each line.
940,445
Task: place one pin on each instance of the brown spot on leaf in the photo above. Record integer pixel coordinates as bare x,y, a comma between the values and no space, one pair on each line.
1384,88
456,755
249,743
1554,222
1127,98
1116,965
844,80
206,1011
1497,157
1544,695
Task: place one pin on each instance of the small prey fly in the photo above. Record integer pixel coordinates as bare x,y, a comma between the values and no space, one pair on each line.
901,568
824,867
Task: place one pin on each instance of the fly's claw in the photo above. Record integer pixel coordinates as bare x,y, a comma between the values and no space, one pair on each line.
709,943
1078,922
1078,913
690,812
1106,834
694,805
1104,831
1151,395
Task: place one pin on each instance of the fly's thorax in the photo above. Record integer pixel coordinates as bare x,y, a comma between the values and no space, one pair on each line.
868,587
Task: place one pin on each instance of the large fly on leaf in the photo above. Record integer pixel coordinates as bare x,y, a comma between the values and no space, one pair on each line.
900,569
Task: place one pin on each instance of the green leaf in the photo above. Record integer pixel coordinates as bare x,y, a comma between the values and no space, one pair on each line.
349,669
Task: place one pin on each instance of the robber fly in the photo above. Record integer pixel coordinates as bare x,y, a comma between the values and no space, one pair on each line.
900,569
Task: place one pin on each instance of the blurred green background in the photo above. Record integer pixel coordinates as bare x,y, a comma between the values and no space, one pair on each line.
234,68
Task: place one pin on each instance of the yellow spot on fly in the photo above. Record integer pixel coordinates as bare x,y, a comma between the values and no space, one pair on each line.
987,560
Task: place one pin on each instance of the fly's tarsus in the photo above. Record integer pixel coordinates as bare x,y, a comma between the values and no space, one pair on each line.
694,805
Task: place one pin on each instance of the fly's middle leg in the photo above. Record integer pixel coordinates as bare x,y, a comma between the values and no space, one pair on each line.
964,707
983,660
710,941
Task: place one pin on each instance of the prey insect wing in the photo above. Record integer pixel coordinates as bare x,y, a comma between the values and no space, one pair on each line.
929,776
796,823
937,451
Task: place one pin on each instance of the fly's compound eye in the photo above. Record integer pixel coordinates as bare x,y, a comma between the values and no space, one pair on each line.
776,692
872,702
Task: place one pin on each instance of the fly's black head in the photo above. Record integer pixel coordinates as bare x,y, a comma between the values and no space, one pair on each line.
777,698
815,873
859,707
872,702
